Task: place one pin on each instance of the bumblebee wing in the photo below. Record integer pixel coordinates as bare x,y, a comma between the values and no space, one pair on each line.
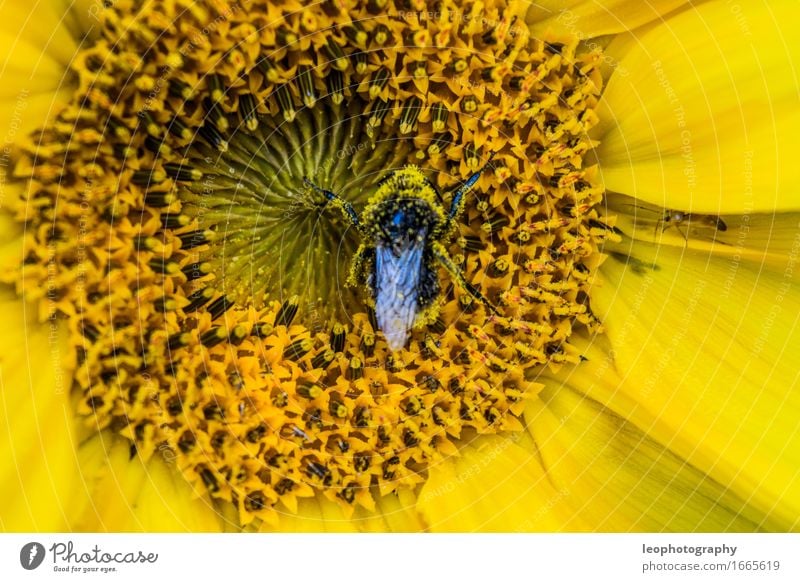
396,290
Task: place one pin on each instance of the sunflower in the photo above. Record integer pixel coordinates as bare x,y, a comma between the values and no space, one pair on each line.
192,345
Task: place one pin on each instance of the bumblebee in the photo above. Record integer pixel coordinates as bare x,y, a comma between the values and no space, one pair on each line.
405,230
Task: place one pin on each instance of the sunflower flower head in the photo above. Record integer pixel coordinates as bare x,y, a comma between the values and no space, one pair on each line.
204,283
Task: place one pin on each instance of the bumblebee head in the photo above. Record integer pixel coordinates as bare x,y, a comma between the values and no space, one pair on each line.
405,208
407,182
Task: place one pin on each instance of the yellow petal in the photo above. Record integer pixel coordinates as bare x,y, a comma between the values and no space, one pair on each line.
395,512
705,348
587,19
38,40
495,485
616,478
11,233
314,514
123,494
81,18
760,239
38,466
707,117
39,26
27,70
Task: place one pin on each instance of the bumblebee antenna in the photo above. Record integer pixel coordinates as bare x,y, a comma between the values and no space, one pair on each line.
346,207
466,187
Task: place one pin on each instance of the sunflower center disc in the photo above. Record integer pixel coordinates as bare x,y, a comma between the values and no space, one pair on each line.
204,282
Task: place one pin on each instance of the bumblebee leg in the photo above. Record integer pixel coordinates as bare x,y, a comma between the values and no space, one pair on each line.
428,289
362,266
455,272
346,207
464,188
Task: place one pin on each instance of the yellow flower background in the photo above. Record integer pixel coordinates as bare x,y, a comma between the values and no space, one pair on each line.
682,415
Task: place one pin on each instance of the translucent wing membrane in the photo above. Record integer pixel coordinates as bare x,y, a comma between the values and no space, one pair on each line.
396,290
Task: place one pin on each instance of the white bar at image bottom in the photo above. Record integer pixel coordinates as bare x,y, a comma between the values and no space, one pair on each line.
400,557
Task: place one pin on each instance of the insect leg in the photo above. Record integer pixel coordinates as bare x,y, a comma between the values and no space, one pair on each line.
661,224
455,272
346,207
684,234
464,188
362,267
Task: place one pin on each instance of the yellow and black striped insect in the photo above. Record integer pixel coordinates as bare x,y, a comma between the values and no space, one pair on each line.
405,230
